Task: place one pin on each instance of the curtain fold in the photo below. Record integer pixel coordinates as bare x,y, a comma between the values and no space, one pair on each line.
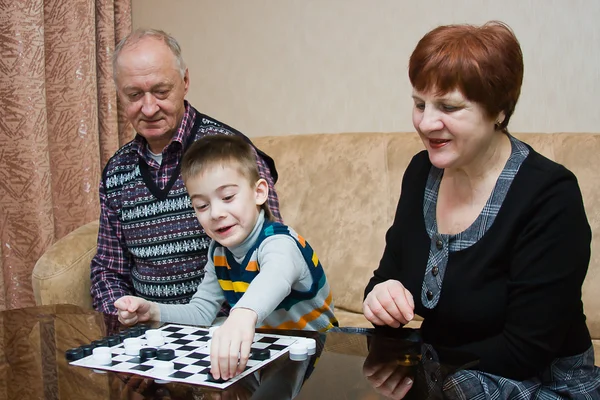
59,125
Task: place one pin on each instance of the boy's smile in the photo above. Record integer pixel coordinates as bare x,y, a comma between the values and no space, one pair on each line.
227,205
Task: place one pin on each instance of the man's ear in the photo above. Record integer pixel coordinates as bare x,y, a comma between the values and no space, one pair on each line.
261,191
186,81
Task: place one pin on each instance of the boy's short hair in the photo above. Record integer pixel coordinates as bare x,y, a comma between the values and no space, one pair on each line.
222,150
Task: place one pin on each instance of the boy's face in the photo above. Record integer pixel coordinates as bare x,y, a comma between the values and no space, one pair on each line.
226,203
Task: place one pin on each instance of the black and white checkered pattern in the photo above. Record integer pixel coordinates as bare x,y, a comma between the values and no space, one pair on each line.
192,356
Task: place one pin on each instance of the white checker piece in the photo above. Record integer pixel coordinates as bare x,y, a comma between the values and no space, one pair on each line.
192,356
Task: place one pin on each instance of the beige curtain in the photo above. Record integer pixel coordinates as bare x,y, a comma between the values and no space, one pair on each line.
58,125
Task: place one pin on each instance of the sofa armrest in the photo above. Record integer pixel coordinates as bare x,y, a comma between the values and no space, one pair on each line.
62,274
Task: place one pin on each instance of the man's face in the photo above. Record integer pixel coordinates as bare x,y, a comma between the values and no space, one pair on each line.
151,90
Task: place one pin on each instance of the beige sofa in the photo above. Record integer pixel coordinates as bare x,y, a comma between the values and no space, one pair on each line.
340,192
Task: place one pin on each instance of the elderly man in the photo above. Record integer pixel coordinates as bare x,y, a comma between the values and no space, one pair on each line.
150,243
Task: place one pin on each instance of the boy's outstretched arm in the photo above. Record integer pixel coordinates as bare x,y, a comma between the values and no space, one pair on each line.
281,268
204,305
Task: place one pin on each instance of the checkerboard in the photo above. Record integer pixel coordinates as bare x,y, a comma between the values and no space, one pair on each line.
192,356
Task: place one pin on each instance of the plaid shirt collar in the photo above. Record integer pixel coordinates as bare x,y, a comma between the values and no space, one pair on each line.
140,144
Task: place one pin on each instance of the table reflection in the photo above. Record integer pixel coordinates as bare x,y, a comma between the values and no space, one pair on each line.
349,363
402,366
33,342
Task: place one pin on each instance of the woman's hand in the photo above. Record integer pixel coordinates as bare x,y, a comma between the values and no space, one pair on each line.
230,344
389,303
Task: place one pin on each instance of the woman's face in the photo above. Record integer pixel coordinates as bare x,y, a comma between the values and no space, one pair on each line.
454,130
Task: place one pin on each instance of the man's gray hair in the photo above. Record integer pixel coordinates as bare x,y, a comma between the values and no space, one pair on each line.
139,34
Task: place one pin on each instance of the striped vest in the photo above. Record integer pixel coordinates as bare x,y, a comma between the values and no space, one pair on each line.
302,310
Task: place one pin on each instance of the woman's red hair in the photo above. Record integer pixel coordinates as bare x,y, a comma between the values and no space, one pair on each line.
484,63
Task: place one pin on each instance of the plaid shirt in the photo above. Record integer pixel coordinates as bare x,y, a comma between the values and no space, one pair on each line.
113,265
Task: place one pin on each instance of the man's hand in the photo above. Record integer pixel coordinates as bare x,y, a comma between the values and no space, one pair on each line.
132,310
389,303
231,342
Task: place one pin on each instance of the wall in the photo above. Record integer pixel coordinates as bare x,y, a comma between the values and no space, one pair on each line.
276,67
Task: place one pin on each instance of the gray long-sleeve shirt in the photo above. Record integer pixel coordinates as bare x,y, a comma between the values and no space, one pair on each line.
282,268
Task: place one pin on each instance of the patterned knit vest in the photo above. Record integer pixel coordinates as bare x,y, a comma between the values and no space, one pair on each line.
163,239
311,309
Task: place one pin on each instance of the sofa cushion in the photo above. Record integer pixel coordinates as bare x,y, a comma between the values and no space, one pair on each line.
347,175
62,274
581,154
356,177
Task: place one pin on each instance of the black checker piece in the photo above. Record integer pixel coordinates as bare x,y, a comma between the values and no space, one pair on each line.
260,354
211,378
74,354
165,354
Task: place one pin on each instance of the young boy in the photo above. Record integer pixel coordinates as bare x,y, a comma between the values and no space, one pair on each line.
267,272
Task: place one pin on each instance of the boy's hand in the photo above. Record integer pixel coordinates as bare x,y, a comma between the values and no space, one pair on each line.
132,310
231,343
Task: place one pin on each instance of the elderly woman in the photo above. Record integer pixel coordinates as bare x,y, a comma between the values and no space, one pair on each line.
490,242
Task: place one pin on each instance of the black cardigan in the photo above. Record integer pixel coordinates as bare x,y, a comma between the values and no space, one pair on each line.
513,298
